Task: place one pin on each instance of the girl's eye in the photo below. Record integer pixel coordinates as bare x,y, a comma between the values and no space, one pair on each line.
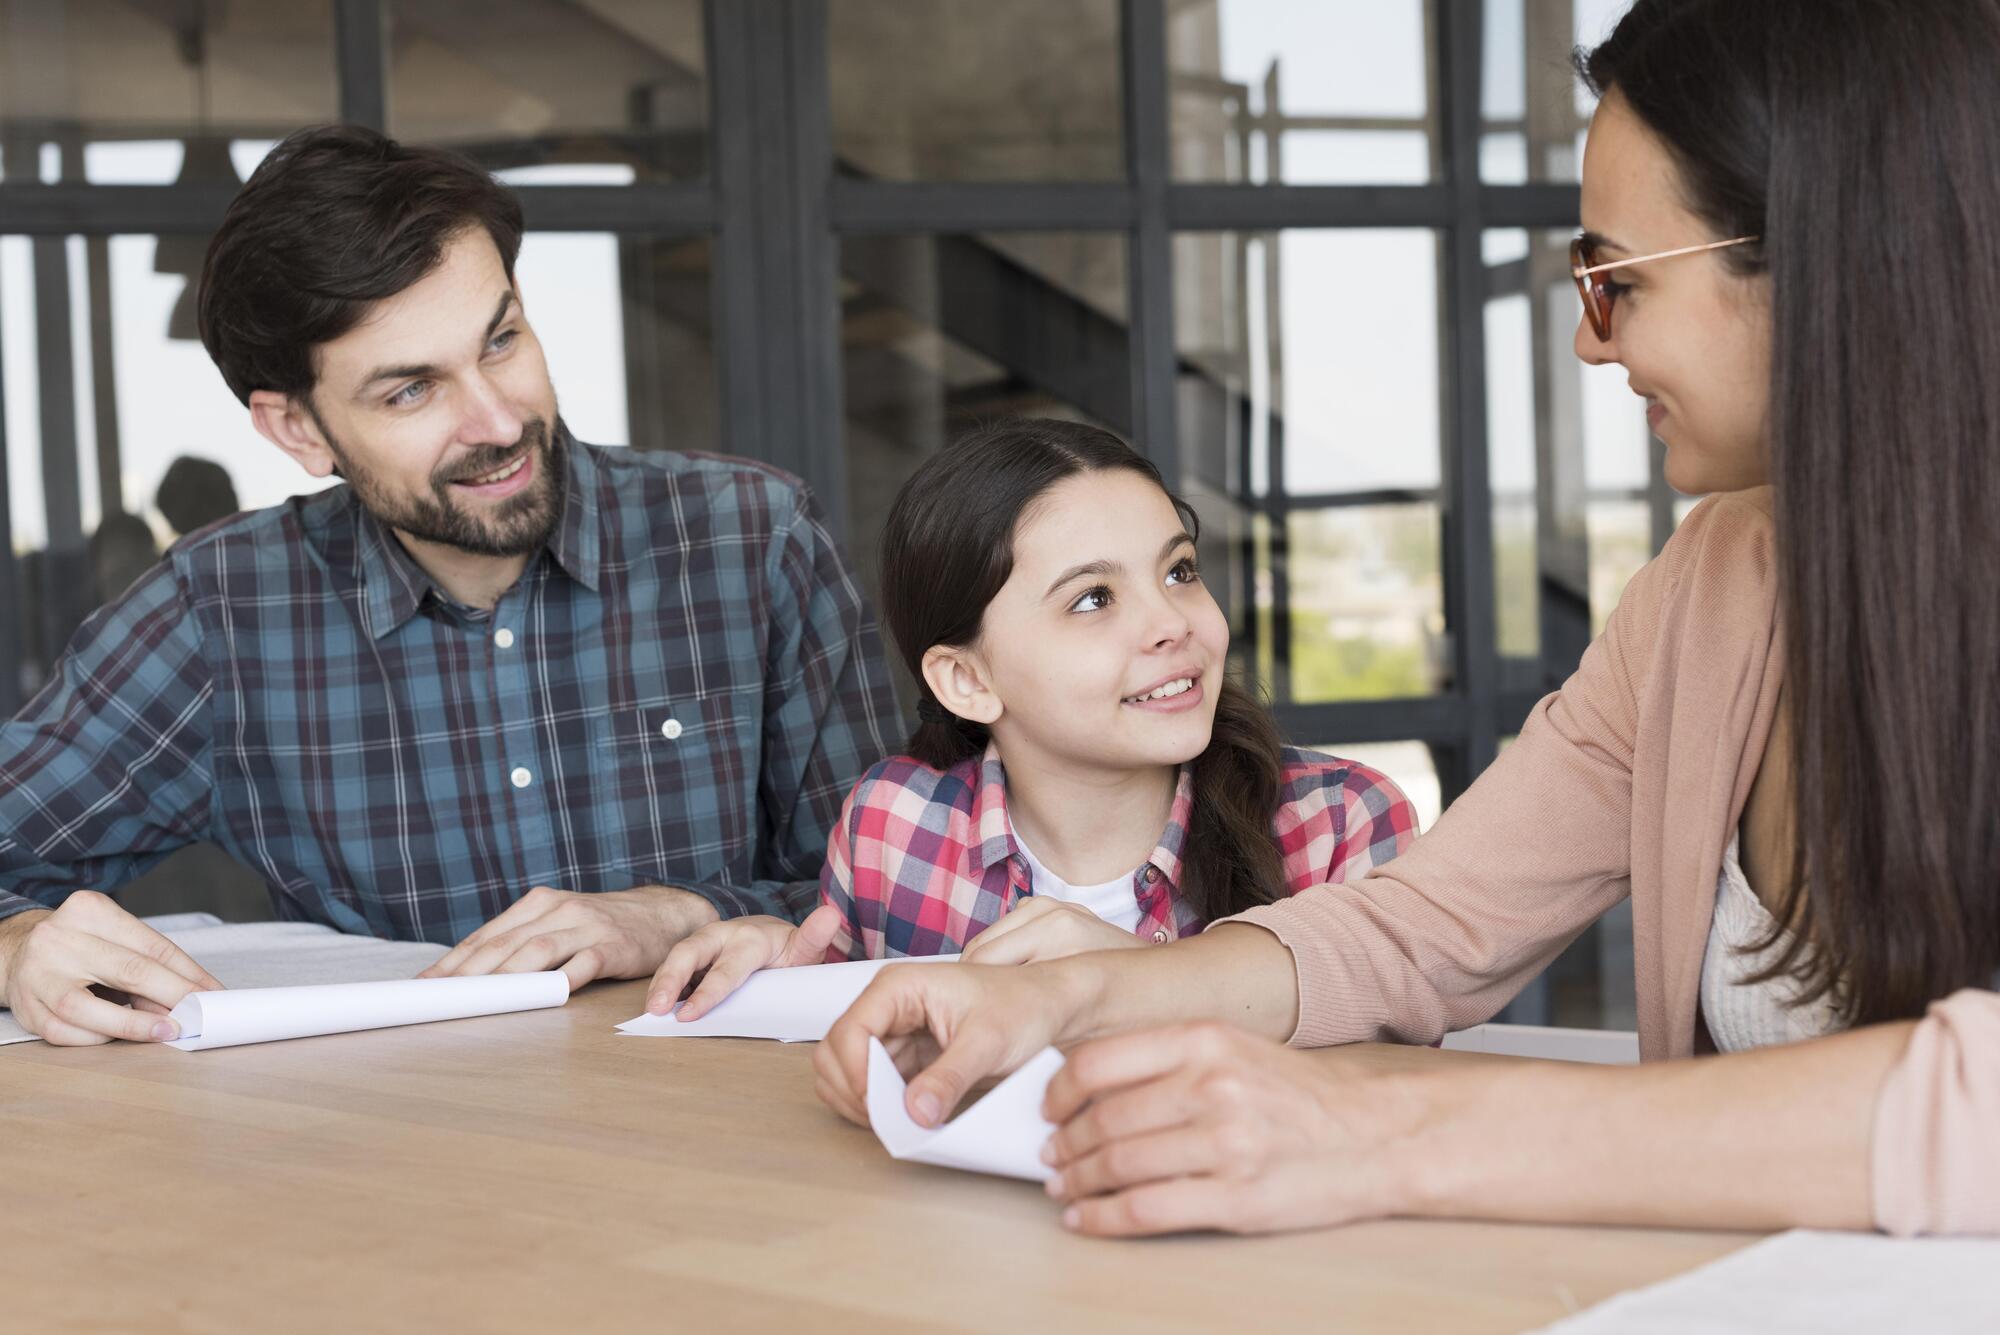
409,394
1613,288
1185,571
1093,600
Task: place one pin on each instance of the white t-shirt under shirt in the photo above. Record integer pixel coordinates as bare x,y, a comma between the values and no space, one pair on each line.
1114,901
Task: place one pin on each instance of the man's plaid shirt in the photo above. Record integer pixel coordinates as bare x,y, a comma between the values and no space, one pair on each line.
924,860
679,690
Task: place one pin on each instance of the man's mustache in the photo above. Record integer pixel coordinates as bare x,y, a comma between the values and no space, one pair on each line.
534,436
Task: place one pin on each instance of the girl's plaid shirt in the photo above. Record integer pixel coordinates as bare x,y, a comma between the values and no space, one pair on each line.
922,860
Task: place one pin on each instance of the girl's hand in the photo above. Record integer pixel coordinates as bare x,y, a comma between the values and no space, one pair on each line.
733,950
1046,929
1205,1126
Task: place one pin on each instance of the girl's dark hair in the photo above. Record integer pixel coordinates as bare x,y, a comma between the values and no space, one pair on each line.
1856,137
334,219
948,548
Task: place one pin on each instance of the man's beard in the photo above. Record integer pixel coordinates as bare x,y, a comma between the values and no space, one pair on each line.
516,527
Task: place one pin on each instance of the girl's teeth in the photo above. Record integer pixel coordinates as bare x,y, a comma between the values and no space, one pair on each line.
1172,688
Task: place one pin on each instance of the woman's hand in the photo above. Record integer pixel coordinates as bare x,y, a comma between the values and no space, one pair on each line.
948,1026
1040,928
731,951
1205,1126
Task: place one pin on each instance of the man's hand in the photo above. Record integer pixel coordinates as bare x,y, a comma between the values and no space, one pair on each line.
1040,928
51,961
618,934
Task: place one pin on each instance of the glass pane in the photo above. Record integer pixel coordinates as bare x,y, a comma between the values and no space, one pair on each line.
1311,356
1410,764
1533,107
939,332
1353,315
968,90
1273,91
1621,540
105,325
552,93
1563,437
1366,603
145,94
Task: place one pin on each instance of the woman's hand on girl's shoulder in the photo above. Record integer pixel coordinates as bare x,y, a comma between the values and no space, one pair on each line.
723,954
1046,929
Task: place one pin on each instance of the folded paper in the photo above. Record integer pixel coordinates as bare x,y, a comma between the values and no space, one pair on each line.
260,1015
791,1005
1002,1134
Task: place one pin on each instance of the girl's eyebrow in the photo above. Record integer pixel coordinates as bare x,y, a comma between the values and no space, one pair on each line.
1078,572
1102,567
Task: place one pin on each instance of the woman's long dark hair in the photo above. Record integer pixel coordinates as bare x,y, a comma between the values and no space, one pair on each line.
947,549
1857,137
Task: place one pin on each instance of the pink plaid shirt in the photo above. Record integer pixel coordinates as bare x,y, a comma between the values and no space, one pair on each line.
922,861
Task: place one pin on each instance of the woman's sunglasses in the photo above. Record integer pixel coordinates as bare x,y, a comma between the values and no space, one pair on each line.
1598,296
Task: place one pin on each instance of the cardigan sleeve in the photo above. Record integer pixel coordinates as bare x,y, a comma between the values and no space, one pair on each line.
1536,850
1937,1123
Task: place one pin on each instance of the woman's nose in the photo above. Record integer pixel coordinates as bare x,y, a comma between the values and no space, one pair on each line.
1592,350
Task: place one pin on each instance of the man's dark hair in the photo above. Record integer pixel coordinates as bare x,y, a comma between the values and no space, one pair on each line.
336,218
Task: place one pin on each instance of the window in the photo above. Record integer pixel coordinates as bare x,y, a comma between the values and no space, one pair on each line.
823,232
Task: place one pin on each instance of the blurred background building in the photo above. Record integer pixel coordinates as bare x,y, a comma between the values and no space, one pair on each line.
1310,255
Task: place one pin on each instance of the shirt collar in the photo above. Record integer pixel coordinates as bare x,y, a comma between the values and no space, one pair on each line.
993,832
395,586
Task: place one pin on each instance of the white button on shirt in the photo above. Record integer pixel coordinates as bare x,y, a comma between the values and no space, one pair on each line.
504,638
522,778
671,729
1114,901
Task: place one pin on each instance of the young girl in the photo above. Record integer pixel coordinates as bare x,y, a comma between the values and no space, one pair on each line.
1083,776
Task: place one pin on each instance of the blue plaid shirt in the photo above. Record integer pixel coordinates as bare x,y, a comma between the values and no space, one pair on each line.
680,690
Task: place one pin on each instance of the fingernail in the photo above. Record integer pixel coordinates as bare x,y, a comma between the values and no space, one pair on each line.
1072,1217
165,1030
1049,1151
1054,1186
655,1006
929,1109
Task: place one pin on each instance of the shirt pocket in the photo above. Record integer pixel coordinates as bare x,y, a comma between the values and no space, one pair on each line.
684,775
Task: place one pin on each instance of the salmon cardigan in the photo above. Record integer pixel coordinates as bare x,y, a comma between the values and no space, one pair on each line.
1630,780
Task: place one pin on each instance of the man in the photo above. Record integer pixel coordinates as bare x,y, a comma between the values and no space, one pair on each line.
495,659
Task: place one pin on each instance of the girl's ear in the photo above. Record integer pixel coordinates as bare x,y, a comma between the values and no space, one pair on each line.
958,679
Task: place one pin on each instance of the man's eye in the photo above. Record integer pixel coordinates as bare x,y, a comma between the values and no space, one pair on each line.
1093,600
409,394
503,340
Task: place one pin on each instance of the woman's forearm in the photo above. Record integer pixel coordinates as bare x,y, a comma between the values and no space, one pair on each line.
1235,972
1776,1138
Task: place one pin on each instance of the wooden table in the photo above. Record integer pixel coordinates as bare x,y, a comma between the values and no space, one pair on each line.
538,1172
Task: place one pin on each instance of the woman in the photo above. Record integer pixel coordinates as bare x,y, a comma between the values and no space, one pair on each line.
1785,747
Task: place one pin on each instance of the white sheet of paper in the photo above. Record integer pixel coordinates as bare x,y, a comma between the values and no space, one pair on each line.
262,1014
275,954
791,1005
1809,1283
1002,1134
